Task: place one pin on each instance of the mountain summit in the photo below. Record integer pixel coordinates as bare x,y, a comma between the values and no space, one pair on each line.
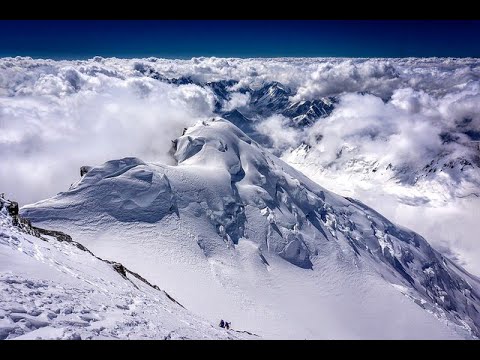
232,231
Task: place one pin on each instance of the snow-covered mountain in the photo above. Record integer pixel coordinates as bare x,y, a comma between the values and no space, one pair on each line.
54,288
400,135
233,232
436,194
450,172
437,179
305,113
439,184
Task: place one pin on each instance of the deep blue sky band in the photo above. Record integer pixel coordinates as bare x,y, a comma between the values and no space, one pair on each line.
235,38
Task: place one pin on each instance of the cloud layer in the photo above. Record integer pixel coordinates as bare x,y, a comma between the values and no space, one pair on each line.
58,115
52,123
392,110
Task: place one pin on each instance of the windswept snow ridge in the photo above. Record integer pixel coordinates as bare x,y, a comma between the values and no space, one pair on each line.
232,231
56,289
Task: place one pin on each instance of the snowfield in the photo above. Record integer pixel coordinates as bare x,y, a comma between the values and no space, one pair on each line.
231,231
55,290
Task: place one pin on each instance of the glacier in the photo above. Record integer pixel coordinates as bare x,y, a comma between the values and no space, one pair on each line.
231,231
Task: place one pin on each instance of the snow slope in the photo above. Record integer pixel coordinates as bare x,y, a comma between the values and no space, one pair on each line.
437,197
57,290
233,232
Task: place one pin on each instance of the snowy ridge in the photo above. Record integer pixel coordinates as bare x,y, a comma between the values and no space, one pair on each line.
56,289
233,230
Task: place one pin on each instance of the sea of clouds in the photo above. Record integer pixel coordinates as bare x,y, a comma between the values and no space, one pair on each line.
58,115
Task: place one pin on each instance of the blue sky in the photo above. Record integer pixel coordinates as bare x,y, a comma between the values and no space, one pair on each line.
236,38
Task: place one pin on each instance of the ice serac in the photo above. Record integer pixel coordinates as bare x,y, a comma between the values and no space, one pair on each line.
234,232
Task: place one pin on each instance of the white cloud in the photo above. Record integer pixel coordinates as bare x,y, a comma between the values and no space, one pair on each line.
237,101
58,115
276,127
92,110
64,120
404,131
377,77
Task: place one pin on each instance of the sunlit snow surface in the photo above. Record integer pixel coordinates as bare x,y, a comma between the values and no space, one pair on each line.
233,232
54,290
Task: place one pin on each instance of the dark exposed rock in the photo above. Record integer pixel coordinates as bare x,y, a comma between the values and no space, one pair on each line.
304,113
60,236
84,169
271,98
12,208
25,226
119,268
